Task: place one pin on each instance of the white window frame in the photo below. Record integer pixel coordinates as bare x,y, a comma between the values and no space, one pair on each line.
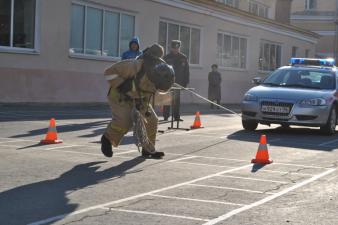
234,4
262,41
307,5
104,9
36,49
266,8
167,47
246,53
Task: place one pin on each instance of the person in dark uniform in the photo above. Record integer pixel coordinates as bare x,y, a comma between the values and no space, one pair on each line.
181,67
214,90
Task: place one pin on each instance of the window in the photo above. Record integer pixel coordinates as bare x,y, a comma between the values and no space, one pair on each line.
258,9
269,56
17,23
232,3
310,4
100,32
189,36
307,53
231,51
294,51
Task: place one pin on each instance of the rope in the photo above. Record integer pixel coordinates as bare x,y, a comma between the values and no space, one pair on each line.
140,131
207,100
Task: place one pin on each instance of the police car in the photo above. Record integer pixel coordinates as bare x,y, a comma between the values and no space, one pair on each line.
304,93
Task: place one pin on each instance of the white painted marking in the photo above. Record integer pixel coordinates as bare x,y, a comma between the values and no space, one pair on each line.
230,188
125,152
255,179
58,217
196,200
181,159
197,135
155,214
61,147
83,153
20,139
202,164
328,143
286,172
210,157
229,159
269,198
298,165
14,146
3,142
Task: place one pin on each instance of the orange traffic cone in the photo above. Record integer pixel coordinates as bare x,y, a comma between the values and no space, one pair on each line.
262,156
197,123
51,136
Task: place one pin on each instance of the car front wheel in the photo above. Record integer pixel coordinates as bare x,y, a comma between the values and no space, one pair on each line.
249,125
330,127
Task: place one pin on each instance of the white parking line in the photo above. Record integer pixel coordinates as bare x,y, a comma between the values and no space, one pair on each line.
269,198
202,164
14,146
197,200
230,188
155,214
82,153
199,156
184,158
210,157
13,141
61,147
58,217
286,172
255,179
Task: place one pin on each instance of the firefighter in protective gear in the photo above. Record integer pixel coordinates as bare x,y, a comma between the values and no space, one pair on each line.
132,84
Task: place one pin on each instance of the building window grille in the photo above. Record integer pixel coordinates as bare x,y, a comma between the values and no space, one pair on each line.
258,9
310,4
270,55
100,32
231,51
188,35
232,3
17,23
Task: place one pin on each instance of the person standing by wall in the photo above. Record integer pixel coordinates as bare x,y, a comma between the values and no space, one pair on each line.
214,91
134,49
181,67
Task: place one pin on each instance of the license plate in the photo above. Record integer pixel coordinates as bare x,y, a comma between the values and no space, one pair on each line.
275,109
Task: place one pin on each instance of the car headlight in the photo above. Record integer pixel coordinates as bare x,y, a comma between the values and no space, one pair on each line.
250,98
313,102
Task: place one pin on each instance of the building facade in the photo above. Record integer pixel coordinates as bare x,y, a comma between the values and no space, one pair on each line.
321,18
56,51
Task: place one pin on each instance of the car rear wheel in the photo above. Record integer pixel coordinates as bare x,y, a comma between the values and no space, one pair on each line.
250,125
330,127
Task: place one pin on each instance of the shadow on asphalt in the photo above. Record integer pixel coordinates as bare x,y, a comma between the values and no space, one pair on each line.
45,199
256,167
302,138
95,129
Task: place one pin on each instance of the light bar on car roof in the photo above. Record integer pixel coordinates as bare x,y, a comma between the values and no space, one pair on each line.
313,62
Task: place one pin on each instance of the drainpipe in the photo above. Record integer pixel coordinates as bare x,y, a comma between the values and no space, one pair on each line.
336,36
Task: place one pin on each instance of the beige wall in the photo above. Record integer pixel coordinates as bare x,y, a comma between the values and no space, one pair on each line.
321,21
322,5
53,76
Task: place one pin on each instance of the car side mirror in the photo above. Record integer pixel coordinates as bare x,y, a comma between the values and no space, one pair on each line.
257,80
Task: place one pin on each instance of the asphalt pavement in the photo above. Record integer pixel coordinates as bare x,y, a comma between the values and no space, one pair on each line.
206,176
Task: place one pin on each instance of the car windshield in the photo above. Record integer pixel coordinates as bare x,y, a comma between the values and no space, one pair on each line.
302,78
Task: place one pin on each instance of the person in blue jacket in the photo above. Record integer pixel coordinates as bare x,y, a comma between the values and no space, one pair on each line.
134,49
